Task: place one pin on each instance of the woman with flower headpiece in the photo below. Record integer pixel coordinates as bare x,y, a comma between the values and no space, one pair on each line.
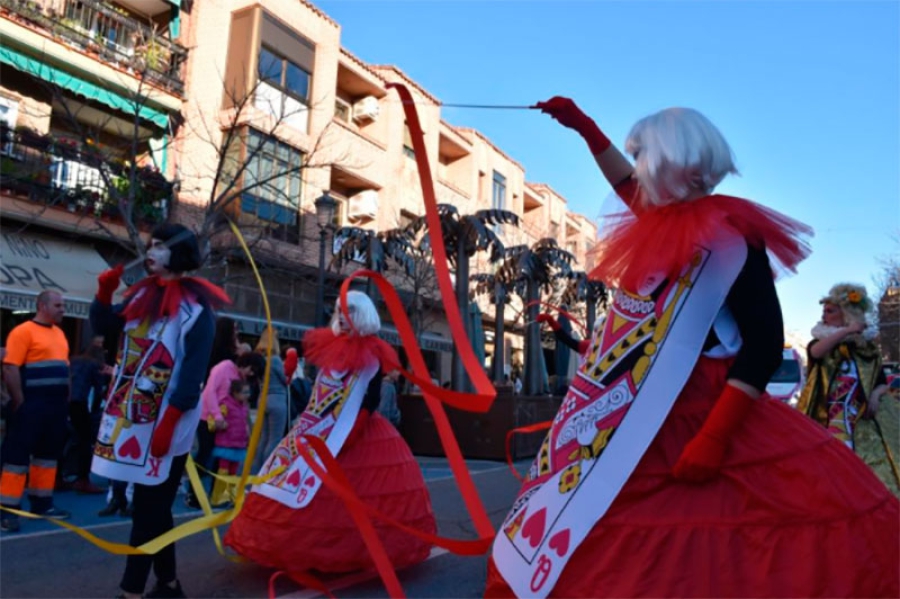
290,521
667,471
846,384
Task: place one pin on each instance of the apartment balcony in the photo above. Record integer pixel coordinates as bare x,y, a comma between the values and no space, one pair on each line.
107,32
51,173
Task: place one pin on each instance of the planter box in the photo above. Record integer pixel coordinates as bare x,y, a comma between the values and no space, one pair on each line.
480,436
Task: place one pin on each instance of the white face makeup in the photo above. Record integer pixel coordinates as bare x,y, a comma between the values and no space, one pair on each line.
158,256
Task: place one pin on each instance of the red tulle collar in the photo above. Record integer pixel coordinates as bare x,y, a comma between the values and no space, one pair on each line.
155,297
324,349
663,239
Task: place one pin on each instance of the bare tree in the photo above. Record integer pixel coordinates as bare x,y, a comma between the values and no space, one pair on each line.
887,285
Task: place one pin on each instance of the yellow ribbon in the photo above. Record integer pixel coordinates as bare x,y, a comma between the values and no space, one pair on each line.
209,520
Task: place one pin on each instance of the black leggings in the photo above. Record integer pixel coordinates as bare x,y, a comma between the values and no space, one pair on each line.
84,437
153,517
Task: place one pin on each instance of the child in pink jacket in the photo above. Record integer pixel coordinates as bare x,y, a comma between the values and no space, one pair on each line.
232,440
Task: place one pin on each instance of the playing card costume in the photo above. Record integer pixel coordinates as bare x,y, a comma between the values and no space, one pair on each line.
658,478
166,326
291,521
843,381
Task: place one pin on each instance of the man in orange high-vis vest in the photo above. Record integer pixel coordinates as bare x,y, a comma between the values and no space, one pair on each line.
36,371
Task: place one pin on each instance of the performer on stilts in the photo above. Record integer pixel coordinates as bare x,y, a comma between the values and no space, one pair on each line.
667,472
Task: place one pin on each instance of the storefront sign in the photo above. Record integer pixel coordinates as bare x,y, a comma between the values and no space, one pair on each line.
31,263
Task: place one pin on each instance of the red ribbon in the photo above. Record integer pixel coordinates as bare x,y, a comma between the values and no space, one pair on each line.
531,428
333,477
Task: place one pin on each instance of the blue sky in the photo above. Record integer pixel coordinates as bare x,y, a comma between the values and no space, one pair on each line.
807,94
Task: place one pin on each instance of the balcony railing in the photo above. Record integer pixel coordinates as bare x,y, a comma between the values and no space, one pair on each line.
78,178
102,29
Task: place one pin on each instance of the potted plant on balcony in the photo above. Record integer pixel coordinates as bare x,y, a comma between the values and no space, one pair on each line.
152,55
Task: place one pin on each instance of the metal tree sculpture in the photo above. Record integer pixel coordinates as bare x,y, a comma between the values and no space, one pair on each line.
499,287
580,288
376,247
463,236
538,265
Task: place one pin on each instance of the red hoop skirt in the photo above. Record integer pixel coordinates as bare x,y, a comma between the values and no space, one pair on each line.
794,513
323,537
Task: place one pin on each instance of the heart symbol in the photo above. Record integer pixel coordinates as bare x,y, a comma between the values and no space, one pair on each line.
560,542
533,531
130,449
294,479
310,481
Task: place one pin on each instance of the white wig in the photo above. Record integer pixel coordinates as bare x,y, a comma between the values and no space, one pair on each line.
362,312
677,152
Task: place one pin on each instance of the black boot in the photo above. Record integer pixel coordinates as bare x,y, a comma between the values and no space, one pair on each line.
113,507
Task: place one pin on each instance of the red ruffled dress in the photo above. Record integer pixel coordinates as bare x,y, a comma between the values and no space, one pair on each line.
792,513
381,469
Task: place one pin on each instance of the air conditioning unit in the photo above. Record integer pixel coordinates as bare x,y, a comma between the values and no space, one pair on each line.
365,110
363,204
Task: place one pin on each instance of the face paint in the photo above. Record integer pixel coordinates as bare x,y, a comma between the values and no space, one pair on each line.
158,255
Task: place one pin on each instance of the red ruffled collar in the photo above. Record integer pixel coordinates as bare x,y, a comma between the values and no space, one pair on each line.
324,349
155,297
663,239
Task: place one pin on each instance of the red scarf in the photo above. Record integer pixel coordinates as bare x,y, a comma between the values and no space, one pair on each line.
663,239
324,349
162,297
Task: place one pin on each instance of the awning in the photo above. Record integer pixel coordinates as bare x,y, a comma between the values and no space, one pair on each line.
81,87
31,263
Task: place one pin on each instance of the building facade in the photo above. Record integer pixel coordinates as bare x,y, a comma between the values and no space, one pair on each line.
266,113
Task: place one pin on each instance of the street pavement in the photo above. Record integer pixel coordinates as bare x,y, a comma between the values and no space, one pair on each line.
46,561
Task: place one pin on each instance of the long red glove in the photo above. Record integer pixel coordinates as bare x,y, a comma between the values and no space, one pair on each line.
551,322
107,283
162,437
290,363
569,115
702,457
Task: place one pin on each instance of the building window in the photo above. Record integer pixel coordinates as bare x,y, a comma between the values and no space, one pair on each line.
285,75
407,142
272,183
9,111
498,192
283,90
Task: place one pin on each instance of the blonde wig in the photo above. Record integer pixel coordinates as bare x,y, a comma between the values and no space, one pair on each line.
362,312
852,299
677,152
263,344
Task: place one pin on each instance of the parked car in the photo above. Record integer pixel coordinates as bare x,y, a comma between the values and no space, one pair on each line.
787,382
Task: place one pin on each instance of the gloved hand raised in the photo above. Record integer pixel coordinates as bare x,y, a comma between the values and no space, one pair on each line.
552,322
569,115
107,283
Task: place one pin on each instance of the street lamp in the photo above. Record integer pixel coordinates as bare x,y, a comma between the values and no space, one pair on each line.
325,209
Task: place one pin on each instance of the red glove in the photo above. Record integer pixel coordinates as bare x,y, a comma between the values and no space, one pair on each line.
569,115
290,363
552,322
162,436
702,457
108,282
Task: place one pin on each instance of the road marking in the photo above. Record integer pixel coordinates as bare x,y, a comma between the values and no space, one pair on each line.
349,581
15,536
